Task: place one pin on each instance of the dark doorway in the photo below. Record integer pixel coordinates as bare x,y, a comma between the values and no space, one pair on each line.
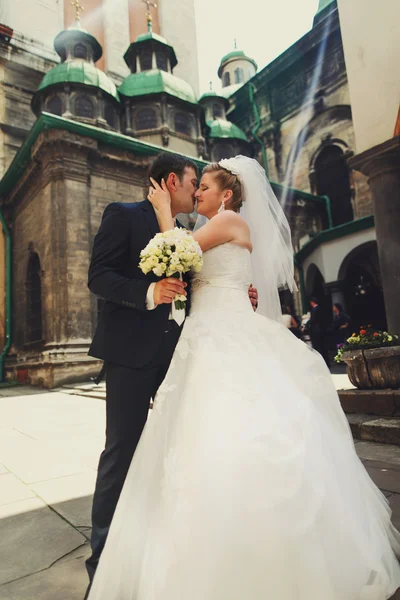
33,300
363,287
333,180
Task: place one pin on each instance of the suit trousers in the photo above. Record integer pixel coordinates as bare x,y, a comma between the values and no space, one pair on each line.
128,395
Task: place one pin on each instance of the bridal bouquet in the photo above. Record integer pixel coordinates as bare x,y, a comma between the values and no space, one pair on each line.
170,254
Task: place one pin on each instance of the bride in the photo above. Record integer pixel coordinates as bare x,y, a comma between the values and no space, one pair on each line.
245,484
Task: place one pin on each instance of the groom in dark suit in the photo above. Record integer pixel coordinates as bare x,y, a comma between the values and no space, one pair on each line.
136,334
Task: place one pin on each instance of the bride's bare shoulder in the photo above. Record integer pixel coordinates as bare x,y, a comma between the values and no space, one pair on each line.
235,227
229,217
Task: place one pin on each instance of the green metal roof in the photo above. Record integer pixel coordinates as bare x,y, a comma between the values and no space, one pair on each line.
150,35
48,122
115,139
221,128
156,81
210,95
324,8
147,38
323,4
79,72
334,233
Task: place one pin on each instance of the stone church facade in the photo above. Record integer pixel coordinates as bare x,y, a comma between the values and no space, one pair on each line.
297,114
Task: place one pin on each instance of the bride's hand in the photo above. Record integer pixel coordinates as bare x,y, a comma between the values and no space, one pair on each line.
159,196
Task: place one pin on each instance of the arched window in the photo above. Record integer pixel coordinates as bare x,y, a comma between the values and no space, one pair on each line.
84,107
54,106
109,115
146,60
146,118
217,111
162,62
333,180
183,124
80,51
239,76
33,299
227,79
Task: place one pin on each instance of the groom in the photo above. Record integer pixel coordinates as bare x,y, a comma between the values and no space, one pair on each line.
136,334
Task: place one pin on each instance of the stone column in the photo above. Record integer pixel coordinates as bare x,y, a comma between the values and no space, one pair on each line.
381,164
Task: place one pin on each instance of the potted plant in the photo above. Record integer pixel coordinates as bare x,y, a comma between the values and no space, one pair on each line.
372,359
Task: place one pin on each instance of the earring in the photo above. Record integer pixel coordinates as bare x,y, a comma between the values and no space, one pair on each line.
222,207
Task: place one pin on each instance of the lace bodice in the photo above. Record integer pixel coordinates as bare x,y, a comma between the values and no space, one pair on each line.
226,270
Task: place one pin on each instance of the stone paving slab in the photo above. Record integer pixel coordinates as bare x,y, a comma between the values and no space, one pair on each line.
70,496
385,478
20,391
13,490
32,538
66,580
380,452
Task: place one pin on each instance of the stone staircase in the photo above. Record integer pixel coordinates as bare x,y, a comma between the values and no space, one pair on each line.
373,415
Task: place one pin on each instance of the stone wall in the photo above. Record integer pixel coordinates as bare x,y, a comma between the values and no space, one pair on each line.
21,71
55,210
303,102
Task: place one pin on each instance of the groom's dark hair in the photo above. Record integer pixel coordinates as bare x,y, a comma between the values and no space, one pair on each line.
169,162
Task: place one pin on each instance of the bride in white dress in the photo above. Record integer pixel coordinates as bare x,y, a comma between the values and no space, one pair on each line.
245,484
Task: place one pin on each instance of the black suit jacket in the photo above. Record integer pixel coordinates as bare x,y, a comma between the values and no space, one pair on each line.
127,333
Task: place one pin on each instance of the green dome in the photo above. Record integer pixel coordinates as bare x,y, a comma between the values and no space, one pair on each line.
79,72
76,34
220,128
150,35
235,54
156,81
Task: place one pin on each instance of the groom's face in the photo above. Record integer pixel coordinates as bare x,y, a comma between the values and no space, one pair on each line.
183,191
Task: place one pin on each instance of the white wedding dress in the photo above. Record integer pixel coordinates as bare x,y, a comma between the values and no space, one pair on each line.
245,484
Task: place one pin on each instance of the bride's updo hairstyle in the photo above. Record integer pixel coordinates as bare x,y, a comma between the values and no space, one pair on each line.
226,181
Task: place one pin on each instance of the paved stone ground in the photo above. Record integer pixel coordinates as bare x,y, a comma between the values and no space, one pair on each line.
49,448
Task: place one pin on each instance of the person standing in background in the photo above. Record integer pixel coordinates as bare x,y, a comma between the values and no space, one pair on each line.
317,330
341,324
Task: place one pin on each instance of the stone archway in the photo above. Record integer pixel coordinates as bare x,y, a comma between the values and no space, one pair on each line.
333,126
332,179
315,286
33,287
362,286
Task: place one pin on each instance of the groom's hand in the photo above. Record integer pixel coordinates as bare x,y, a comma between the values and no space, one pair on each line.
165,290
253,295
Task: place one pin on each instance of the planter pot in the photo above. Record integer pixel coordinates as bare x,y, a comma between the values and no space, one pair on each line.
376,368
